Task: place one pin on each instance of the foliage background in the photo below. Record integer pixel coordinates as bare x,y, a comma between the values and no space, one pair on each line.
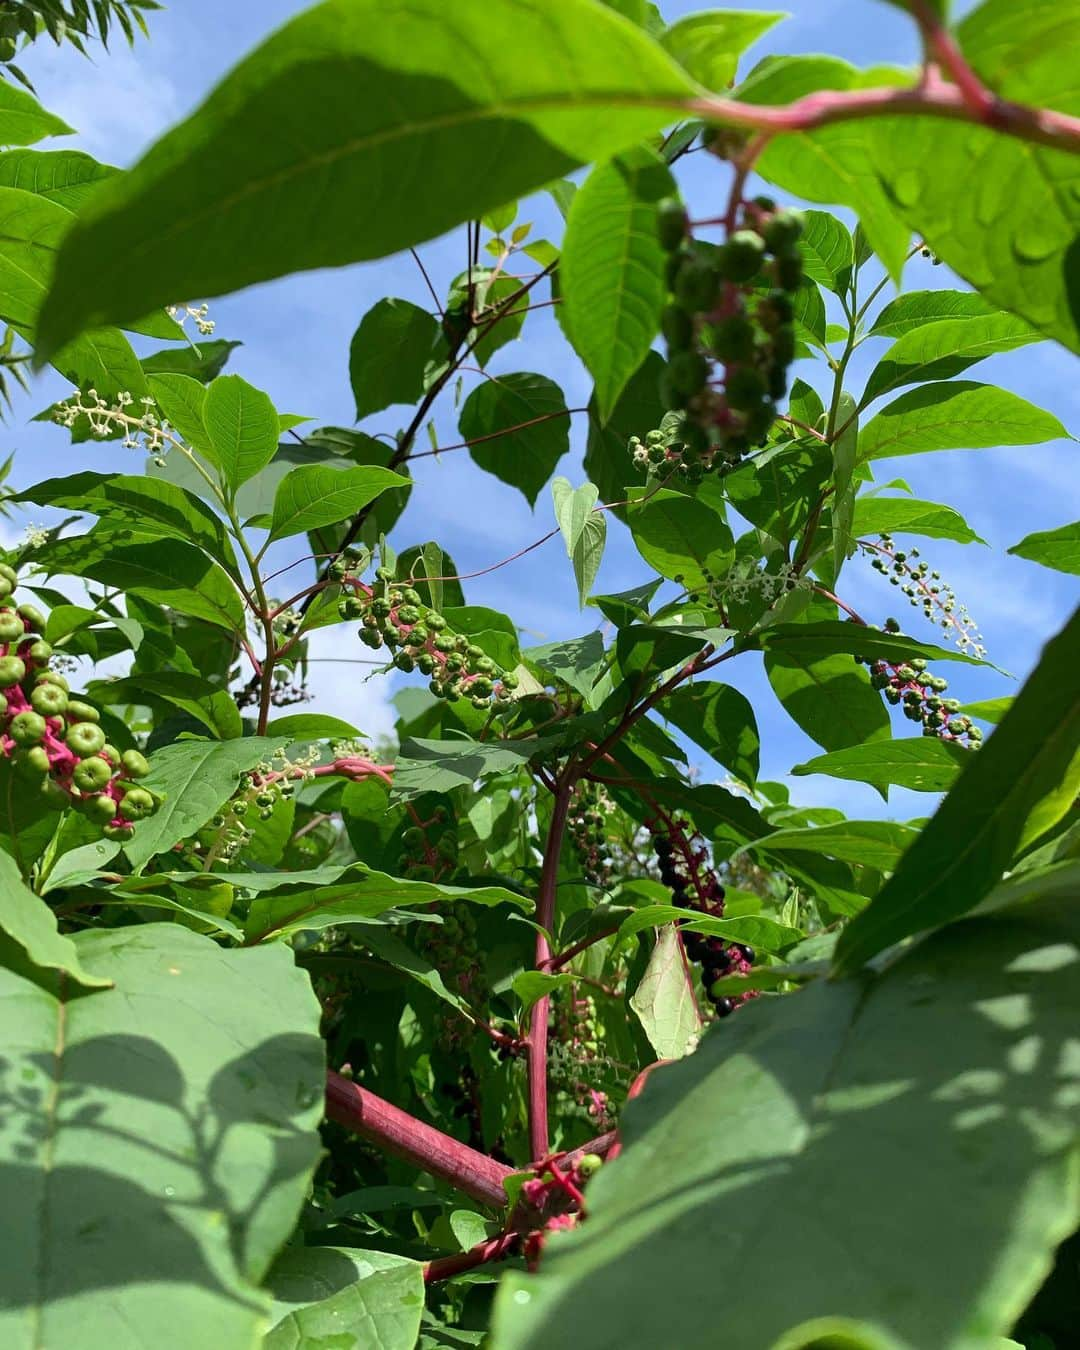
296,335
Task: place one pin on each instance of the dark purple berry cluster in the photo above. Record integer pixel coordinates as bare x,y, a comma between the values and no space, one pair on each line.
683,860
393,614
908,685
731,311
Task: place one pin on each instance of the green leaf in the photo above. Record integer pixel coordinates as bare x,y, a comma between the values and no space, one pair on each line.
313,495
1059,548
829,697
708,45
960,415
449,112
23,120
213,706
827,250
680,536
30,943
872,843
755,929
170,1122
608,462
719,719
357,897
923,763
912,310
194,778
584,531
938,351
496,416
242,425
664,999
1019,784
845,453
31,228
170,573
182,400
441,766
124,499
322,1293
389,355
1001,211
832,164
612,269
904,515
203,362
831,637
575,661
66,177
776,494
533,985
989,710
311,727
952,1063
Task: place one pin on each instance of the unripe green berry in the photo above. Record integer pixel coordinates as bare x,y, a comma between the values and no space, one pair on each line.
135,764
671,223
32,763
677,327
688,372
789,271
82,712
117,833
783,231
49,700
732,339
12,670
40,652
53,796
92,774
27,728
697,286
101,808
783,344
85,738
744,388
33,617
136,804
10,573
11,626
741,257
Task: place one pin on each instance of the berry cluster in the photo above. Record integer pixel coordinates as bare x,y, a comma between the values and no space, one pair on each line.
453,949
683,860
54,741
394,614
909,685
576,1069
924,588
554,1199
586,825
429,847
731,305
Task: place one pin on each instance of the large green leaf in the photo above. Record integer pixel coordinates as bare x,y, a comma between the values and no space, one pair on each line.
30,942
913,309
960,415
170,573
242,424
389,355
1001,211
405,118
194,778
521,428
1019,784
611,270
828,696
441,766
23,120
1059,548
66,177
721,720
681,536
708,45
313,495
31,228
873,843
904,515
938,351
129,500
922,763
831,637
324,1296
162,1145
769,1159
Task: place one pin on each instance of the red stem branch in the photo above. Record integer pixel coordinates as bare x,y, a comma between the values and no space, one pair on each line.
494,1249
425,1147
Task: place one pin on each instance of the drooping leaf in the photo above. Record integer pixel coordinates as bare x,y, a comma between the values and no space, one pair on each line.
584,531
612,269
575,661
708,45
959,415
829,637
956,1061
520,428
389,355
448,111
904,515
30,942
721,720
664,1000
1019,784
1059,548
168,1127
312,496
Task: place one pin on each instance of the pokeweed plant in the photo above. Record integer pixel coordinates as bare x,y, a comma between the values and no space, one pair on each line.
587,1039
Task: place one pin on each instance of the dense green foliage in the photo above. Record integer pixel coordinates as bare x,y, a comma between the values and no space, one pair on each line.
480,943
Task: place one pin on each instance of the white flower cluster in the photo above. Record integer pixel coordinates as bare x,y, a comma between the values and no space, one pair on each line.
142,430
181,313
745,577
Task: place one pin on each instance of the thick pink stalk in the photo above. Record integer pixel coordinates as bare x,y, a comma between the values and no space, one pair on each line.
425,1147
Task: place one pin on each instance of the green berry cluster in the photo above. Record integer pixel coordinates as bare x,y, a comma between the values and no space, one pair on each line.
53,740
454,950
579,1074
586,822
731,306
394,614
908,685
926,590
429,847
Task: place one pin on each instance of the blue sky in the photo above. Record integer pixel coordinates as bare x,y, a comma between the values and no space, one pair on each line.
296,335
